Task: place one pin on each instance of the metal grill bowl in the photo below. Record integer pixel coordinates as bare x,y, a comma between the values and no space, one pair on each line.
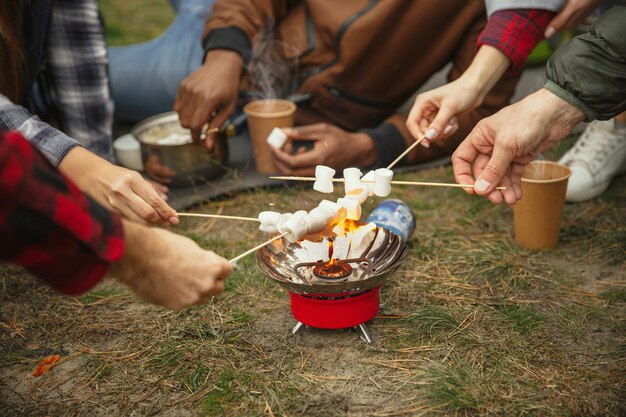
372,252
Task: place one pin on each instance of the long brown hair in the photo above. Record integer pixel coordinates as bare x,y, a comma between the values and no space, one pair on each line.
11,50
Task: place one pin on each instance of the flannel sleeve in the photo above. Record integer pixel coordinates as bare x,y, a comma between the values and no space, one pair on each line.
48,226
53,143
77,73
515,33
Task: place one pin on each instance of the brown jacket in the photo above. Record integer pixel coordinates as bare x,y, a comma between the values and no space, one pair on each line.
362,59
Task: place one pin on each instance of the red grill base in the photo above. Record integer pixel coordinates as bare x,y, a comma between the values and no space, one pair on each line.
335,314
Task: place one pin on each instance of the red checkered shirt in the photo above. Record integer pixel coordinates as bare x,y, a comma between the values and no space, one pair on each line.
515,33
50,227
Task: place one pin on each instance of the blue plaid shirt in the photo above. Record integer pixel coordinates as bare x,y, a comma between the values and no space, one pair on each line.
77,83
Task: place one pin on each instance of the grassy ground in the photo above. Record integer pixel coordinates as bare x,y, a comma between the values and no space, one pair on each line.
473,325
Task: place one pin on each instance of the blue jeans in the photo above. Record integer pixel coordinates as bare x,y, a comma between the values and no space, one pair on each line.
144,77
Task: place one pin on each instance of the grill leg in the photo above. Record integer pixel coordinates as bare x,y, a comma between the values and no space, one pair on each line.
296,328
365,333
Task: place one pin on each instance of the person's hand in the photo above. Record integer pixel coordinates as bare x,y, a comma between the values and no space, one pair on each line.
499,147
434,112
332,146
117,188
209,95
571,16
168,269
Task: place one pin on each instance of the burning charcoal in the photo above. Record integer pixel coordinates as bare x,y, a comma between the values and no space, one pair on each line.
277,138
369,181
353,208
382,186
323,179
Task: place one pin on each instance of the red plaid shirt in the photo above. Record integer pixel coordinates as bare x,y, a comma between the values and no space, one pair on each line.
515,33
48,225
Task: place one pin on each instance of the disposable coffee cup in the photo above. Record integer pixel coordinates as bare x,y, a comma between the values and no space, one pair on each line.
537,216
263,116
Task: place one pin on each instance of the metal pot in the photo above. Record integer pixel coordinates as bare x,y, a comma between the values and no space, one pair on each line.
178,165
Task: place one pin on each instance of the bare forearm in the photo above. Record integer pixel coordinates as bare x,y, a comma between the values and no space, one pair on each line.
485,70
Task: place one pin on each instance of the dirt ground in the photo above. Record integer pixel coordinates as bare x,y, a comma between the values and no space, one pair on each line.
472,325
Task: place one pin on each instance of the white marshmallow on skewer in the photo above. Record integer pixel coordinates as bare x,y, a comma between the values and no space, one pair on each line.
353,208
269,217
323,179
369,180
268,228
277,138
297,226
317,219
333,209
358,192
280,225
382,185
269,221
352,174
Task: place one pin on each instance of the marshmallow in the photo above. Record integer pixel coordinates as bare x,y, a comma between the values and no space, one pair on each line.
333,209
269,217
280,225
352,207
297,226
369,180
323,179
382,185
268,228
358,193
269,221
277,138
352,174
318,218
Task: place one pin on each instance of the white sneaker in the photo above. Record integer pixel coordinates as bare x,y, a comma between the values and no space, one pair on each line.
598,156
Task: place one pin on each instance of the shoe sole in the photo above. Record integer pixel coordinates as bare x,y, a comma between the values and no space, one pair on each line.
594,191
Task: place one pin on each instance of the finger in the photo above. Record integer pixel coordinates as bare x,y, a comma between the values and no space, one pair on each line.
450,128
201,117
286,170
299,160
462,160
423,124
307,132
558,23
495,169
440,122
146,193
415,115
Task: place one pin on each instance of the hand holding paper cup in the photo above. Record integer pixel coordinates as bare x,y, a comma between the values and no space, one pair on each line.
263,117
537,216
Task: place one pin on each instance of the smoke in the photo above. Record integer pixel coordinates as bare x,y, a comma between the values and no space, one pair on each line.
272,75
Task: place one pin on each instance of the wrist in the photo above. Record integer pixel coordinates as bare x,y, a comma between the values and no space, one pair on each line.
366,150
556,110
485,70
229,57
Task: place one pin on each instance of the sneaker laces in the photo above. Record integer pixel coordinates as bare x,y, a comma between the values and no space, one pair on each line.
596,145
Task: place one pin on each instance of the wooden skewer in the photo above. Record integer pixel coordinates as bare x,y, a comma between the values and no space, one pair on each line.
407,150
218,216
430,184
254,249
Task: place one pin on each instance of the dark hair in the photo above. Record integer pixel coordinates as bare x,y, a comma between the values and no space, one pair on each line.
11,50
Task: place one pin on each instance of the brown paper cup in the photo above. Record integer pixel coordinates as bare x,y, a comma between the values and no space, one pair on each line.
537,215
263,116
